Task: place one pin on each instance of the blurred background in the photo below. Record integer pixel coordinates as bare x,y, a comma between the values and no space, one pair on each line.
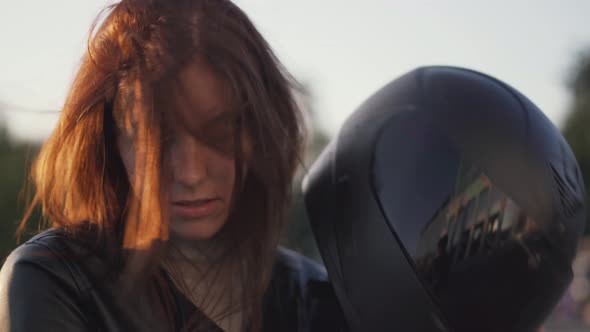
341,52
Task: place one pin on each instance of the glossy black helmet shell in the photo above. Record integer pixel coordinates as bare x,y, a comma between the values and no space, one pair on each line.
447,202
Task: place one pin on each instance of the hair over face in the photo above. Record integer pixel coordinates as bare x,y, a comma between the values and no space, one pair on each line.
126,80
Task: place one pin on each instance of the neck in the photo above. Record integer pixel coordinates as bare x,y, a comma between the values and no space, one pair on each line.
206,279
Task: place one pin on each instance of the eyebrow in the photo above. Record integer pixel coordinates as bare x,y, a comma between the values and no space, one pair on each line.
221,115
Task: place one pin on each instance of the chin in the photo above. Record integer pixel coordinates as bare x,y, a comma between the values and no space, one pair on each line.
197,230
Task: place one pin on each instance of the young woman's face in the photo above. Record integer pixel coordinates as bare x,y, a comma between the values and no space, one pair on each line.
198,154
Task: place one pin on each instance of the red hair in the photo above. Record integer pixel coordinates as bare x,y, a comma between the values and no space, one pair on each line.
132,59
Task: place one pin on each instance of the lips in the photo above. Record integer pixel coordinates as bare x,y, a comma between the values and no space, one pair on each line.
195,202
196,208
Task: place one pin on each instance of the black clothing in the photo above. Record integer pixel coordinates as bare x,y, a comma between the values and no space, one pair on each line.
50,284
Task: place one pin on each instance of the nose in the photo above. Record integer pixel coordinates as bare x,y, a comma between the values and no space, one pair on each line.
188,161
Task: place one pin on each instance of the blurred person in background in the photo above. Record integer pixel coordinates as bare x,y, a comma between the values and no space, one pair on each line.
166,184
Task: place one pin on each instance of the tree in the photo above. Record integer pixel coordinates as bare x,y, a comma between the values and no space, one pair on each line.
14,158
577,126
299,235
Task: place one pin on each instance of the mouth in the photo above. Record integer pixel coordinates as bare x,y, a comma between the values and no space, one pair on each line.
193,202
197,208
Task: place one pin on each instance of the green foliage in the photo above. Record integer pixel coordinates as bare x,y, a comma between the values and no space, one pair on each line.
577,126
13,169
299,235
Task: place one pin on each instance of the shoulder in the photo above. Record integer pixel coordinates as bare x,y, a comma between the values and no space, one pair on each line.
57,257
300,297
49,252
299,267
37,281
49,257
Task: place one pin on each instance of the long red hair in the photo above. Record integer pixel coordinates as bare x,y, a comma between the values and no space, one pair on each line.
132,60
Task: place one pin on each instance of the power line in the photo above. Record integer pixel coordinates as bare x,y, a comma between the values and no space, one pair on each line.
7,108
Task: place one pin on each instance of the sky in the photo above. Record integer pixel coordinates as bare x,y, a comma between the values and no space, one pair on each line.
343,50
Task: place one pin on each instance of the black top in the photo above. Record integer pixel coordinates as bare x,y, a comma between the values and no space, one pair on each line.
45,286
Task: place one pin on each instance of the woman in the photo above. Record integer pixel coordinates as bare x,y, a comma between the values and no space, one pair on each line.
166,182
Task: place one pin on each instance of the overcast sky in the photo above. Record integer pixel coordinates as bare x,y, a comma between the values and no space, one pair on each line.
345,50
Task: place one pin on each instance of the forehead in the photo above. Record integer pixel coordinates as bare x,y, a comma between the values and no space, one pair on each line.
199,94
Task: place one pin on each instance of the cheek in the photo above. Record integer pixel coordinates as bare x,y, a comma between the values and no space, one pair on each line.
224,167
125,148
222,170
247,152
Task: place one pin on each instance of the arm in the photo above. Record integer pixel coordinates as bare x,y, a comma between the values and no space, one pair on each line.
38,293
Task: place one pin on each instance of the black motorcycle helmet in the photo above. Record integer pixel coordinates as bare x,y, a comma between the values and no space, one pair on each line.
447,202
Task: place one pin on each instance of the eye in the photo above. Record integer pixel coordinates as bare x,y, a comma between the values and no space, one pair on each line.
168,139
126,126
220,134
127,135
